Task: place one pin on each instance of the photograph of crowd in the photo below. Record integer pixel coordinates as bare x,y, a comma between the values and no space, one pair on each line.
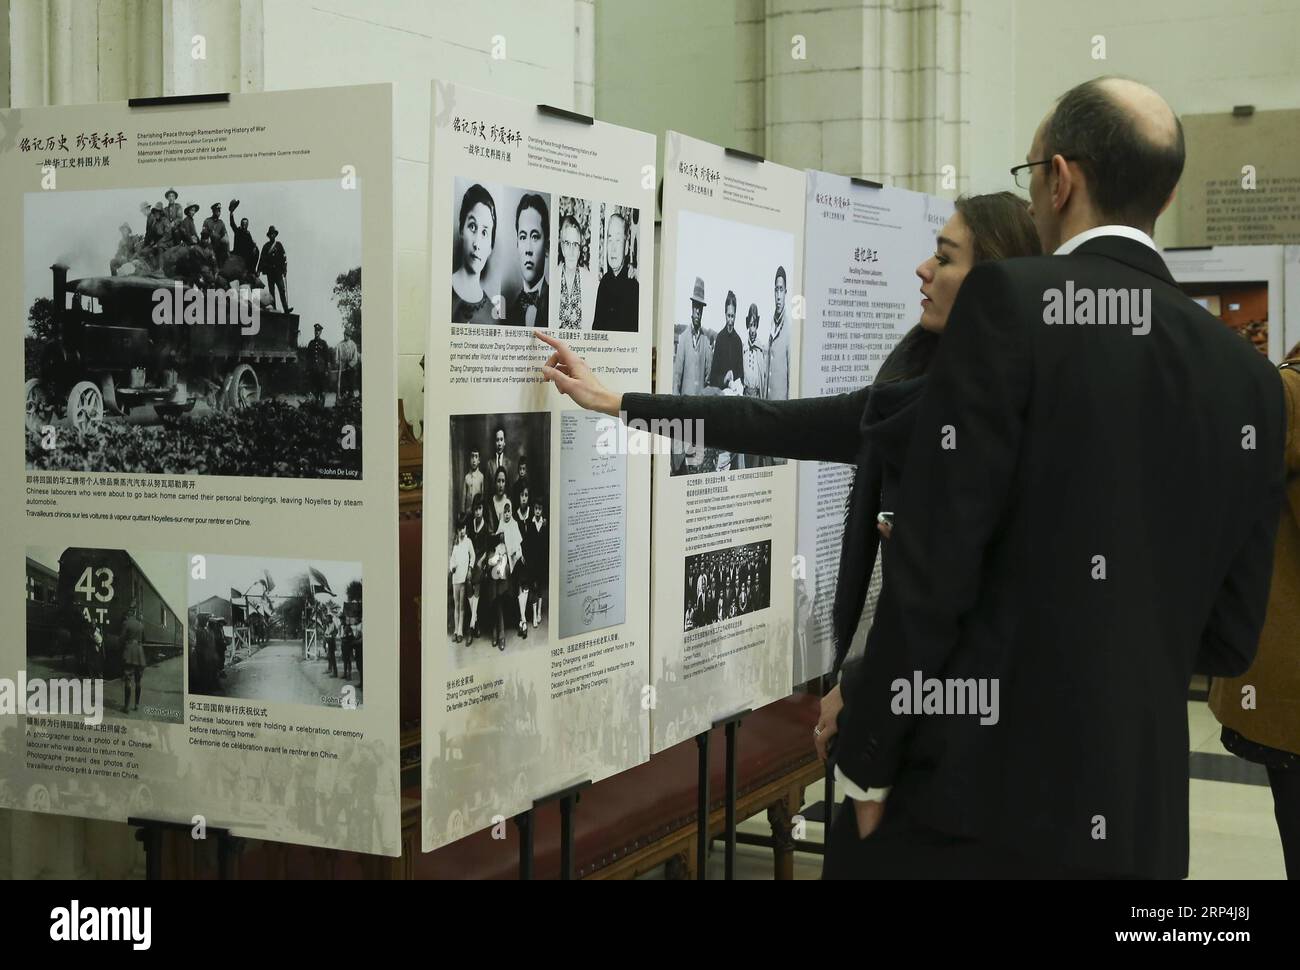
597,287
732,325
500,255
110,614
726,583
217,331
499,519
276,630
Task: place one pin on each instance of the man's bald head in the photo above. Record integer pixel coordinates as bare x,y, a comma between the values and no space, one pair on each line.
1126,140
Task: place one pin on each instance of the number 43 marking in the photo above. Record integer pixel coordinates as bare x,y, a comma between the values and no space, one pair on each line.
86,584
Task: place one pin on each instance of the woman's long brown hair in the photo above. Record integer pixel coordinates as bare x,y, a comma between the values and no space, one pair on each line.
1001,228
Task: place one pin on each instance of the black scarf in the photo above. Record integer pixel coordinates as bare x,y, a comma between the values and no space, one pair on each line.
885,430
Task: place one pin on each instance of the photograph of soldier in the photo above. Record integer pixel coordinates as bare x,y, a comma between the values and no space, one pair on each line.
710,355
113,615
245,247
166,272
317,357
215,227
273,263
500,254
726,583
276,630
498,566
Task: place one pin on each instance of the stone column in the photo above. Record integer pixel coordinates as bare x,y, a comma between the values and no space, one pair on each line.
866,89
584,56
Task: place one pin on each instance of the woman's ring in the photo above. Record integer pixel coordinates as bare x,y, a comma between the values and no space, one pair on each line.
817,731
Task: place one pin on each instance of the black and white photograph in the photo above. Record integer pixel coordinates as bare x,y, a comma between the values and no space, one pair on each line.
618,294
113,615
282,630
577,263
195,330
732,323
498,567
501,245
596,283
725,583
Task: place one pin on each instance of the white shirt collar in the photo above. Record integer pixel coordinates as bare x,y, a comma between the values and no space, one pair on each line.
538,288
1128,232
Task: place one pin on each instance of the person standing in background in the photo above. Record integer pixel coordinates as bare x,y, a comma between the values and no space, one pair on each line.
755,376
462,562
694,356
348,358
728,362
498,459
274,265
537,552
1260,710
778,345
332,629
133,660
480,534
473,483
172,212
318,363
216,229
245,246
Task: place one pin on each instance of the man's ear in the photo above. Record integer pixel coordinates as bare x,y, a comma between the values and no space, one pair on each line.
1063,182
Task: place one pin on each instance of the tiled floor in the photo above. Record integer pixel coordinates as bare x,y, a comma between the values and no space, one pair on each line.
1233,834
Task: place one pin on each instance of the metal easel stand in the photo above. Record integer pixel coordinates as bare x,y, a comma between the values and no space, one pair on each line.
150,834
526,823
730,725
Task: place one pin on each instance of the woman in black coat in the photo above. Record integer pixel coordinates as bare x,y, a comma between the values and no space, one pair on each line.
869,428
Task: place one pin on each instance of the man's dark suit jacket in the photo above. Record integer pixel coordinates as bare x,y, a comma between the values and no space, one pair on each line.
1072,442
517,313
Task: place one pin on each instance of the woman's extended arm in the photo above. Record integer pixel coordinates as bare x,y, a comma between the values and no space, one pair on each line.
824,429
820,429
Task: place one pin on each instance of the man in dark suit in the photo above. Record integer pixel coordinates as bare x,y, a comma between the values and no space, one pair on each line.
1086,518
274,265
618,297
532,223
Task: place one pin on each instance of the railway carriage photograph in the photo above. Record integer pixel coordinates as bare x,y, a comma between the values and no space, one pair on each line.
111,614
219,336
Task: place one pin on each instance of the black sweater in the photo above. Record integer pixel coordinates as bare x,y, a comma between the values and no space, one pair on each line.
817,429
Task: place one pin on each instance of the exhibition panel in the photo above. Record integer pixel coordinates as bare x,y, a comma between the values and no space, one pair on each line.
724,526
209,466
537,636
862,244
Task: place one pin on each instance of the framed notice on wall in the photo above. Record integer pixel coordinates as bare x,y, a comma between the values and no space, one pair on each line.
203,476
1241,185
